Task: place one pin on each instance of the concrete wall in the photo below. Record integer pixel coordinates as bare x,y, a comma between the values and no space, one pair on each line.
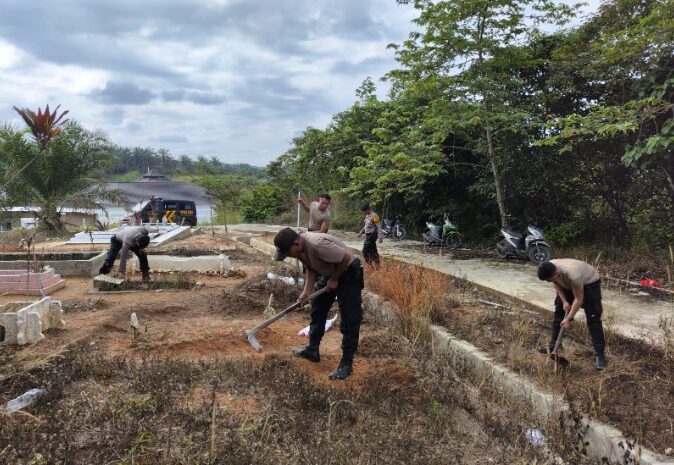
23,322
64,263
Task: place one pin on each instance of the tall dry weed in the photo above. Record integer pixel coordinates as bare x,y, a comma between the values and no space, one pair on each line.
419,295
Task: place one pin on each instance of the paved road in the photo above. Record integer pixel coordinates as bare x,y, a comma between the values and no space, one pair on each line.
632,315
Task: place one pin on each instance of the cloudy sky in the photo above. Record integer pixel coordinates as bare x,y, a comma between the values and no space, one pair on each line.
237,79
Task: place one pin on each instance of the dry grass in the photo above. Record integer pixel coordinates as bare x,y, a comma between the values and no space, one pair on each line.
419,294
411,409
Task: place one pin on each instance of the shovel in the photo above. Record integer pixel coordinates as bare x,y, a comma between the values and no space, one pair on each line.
250,333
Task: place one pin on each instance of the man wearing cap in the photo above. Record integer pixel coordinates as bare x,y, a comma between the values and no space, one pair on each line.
319,215
134,238
577,284
329,263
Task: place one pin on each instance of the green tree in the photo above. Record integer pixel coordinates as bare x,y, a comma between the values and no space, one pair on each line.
226,191
64,172
263,202
472,46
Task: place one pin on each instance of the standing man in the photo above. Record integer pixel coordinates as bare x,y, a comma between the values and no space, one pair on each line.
328,264
134,238
371,231
319,215
577,285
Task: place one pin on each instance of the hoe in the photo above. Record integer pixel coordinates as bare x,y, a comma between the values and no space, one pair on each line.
250,333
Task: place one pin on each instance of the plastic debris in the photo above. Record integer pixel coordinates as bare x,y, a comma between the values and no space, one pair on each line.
535,436
328,325
24,400
286,279
649,282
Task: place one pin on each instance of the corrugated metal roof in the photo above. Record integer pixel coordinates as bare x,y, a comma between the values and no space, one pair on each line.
135,192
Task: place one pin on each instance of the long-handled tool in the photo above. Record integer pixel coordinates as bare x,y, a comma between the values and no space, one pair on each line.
250,334
559,360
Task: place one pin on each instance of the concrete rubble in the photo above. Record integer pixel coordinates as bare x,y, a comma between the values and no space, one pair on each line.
24,322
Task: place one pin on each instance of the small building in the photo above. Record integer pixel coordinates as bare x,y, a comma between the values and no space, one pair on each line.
25,217
155,184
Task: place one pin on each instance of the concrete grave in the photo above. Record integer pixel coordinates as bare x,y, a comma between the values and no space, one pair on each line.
23,322
63,263
204,263
28,283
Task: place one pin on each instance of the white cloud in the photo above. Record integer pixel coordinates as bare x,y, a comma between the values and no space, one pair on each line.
233,78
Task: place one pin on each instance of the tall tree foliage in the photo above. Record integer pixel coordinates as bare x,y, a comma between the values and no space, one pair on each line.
472,45
65,172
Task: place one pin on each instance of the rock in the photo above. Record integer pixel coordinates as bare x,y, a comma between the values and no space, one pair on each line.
669,451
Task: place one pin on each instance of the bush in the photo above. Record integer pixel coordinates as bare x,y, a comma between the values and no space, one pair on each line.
262,203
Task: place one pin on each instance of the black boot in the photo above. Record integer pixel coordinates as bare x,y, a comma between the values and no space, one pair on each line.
343,371
547,348
104,270
599,362
310,353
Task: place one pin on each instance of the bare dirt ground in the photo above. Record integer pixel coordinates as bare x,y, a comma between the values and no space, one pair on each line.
188,388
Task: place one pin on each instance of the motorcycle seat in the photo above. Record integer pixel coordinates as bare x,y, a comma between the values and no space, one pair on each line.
513,233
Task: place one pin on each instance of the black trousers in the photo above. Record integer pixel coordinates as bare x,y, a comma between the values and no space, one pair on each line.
115,247
370,252
348,294
593,310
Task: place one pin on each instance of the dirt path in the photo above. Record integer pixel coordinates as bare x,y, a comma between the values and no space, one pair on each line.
636,316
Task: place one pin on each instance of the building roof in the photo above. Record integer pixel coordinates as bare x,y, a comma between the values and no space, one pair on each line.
152,175
135,192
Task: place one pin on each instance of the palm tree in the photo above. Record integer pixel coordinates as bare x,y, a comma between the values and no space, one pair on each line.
59,166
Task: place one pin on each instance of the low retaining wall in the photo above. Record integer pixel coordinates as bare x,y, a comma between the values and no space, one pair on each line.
64,263
215,263
599,441
29,283
23,322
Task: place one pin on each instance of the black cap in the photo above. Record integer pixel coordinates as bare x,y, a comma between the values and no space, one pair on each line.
283,240
365,207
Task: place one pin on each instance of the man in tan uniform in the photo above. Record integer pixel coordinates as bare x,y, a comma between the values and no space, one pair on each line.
577,285
319,215
328,263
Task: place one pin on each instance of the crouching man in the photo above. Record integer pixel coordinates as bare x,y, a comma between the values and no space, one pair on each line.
577,285
135,239
328,264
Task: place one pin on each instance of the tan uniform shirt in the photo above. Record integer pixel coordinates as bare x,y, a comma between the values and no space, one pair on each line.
128,237
574,273
317,217
322,252
371,223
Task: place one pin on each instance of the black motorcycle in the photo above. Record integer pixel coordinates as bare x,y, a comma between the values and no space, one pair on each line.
533,246
393,228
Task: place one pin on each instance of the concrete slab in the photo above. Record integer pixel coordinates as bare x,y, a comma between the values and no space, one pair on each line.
215,263
160,234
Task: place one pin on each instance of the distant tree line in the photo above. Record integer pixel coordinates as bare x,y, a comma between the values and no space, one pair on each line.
139,160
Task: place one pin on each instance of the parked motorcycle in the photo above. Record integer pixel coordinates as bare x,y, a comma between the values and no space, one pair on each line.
393,228
533,246
445,233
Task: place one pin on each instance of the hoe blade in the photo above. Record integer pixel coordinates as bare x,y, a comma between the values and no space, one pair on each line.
251,338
